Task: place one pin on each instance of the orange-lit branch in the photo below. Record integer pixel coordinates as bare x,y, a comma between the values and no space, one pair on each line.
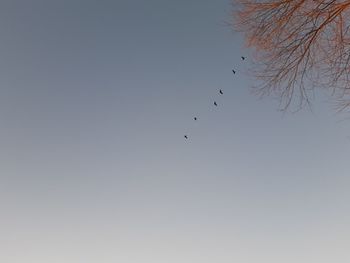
299,45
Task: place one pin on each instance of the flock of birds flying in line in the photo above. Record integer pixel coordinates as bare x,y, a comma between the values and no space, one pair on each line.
215,103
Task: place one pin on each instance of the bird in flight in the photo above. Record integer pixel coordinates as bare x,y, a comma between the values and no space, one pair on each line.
215,103
234,71
243,58
195,118
220,91
185,136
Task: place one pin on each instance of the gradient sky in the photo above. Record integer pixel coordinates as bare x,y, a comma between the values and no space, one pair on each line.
95,97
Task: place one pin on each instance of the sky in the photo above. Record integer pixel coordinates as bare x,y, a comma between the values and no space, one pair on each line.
95,98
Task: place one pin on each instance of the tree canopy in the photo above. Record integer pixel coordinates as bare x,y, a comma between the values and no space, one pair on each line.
298,45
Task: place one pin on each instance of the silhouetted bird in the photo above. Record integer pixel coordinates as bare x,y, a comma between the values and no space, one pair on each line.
234,71
186,137
215,103
243,58
221,92
195,118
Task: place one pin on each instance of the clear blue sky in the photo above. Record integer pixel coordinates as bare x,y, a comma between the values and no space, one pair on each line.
95,97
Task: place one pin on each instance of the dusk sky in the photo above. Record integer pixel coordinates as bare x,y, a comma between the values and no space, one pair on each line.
95,100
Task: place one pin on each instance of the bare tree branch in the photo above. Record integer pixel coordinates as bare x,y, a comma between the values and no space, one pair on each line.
298,45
